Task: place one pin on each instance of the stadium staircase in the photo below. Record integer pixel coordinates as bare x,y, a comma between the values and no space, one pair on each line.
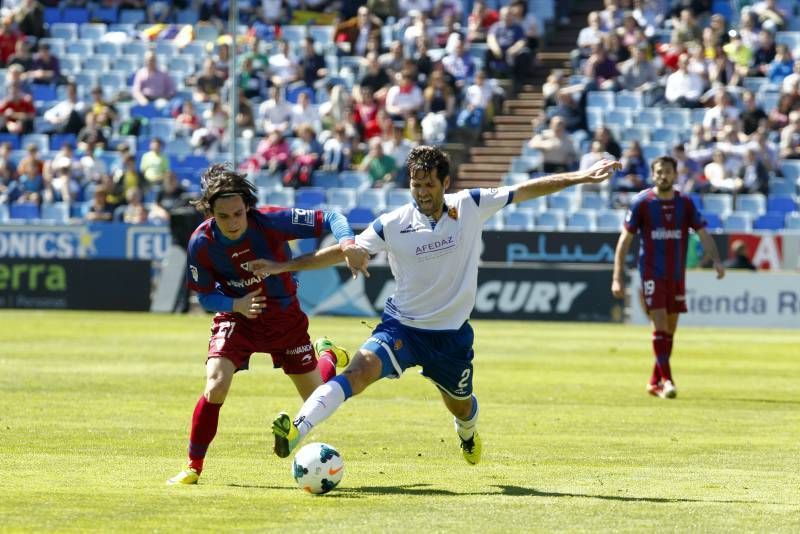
489,159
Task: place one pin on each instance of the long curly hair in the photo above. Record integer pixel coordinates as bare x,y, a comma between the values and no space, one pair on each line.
427,158
221,180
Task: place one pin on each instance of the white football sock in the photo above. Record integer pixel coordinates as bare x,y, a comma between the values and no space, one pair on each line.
319,406
466,429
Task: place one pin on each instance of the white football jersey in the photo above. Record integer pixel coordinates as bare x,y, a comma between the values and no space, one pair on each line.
435,265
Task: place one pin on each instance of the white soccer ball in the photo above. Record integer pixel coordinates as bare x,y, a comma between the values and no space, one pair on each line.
317,468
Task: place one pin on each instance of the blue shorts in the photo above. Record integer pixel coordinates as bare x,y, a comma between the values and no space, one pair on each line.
445,355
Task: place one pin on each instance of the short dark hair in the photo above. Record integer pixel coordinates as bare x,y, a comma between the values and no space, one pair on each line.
221,180
427,158
665,160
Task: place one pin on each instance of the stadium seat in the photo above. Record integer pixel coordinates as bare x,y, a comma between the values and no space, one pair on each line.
92,31
634,133
165,49
341,199
112,50
398,197
754,84
52,15
664,135
518,220
59,140
617,117
790,39
697,199
310,198
781,186
13,139
77,15
135,48
3,213
207,33
714,221
565,203
495,222
649,116
282,197
322,35
355,179
57,212
26,211
67,31
609,220
582,221
793,221
353,64
70,65
293,92
132,16
755,204
550,220
535,205
768,99
738,222
375,199
42,141
676,118
325,179
770,221
781,203
109,15
57,46
790,169
594,118
629,99
600,99
522,164
294,34
187,16
360,216
43,92
650,151
593,201
513,178
719,204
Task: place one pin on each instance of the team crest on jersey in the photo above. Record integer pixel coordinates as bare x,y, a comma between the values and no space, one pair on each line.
452,212
398,344
303,217
195,275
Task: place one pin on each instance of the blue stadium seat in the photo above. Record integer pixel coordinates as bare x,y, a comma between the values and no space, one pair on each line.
43,92
282,197
309,198
768,100
617,117
135,48
790,169
355,180
719,204
565,203
294,34
58,140
68,31
132,16
534,205
353,64
77,15
293,92
112,50
360,216
770,221
679,118
398,197
513,178
781,186
594,117
148,111
629,99
495,222
57,212
593,201
109,15
165,49
738,222
341,199
207,33
754,84
600,99
57,46
755,204
609,220
551,220
714,221
14,139
374,199
649,116
42,141
325,179
96,64
526,163
790,39
26,211
52,15
70,65
519,220
781,203
650,151
187,16
664,135
3,213
634,133
92,31
793,221
582,221
323,35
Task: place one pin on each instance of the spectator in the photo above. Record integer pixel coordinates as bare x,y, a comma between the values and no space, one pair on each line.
721,174
588,37
610,145
637,73
684,88
632,178
154,164
722,112
752,116
766,150
61,186
30,170
272,154
648,15
392,61
337,150
351,36
306,155
791,83
312,64
134,210
8,175
245,118
8,39
439,97
478,102
150,83
376,80
275,113
212,132
283,65
337,108
688,179
779,115
208,83
404,99
17,112
91,133
222,58
781,66
187,120
365,111
479,21
383,9
29,17
398,148
380,167
764,54
686,29
459,64
171,196
530,25
418,29
748,29
104,112
99,210
601,70
754,174
771,16
251,81
595,154
305,113
64,159
739,53
790,137
740,257
22,56
610,16
569,110
93,169
125,178
507,53
67,115
45,68
556,146
722,71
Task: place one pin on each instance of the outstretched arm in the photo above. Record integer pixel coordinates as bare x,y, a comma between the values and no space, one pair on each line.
710,249
618,279
597,173
356,257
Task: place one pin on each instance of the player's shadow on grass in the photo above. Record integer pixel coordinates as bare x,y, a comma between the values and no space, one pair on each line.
531,492
766,401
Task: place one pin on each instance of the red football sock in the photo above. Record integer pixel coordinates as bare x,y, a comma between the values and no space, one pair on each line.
327,365
204,428
655,378
661,343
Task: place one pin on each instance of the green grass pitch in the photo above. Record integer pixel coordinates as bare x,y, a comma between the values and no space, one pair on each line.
95,411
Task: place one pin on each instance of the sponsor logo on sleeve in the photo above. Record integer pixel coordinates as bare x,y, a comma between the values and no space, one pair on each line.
303,217
195,275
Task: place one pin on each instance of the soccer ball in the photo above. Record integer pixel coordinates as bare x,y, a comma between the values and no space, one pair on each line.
317,468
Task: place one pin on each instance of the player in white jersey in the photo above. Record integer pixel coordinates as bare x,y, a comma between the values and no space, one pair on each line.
433,246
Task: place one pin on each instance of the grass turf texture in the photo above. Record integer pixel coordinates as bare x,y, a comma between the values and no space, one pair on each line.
96,410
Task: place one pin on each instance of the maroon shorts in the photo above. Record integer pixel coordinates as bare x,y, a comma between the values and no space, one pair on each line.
664,294
279,332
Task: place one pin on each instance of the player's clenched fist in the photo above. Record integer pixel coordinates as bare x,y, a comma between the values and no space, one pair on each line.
251,304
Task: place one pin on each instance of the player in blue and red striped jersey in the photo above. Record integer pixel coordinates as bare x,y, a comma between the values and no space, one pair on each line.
662,216
253,314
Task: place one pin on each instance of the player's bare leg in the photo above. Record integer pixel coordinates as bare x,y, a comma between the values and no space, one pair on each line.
219,376
306,383
465,415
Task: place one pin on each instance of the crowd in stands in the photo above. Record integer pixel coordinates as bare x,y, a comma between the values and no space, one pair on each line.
113,108
667,77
